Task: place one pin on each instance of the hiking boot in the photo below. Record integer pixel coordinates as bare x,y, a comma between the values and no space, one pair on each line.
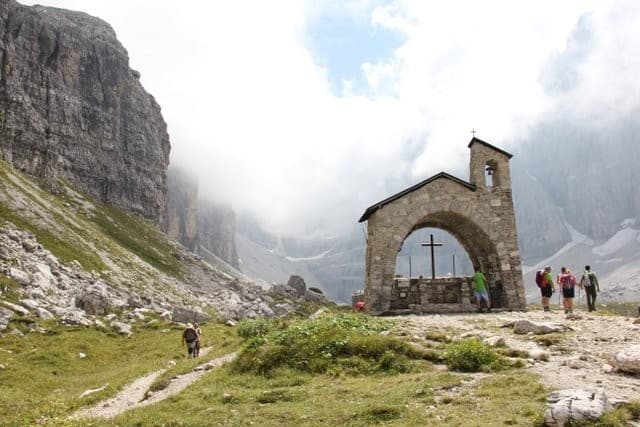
546,309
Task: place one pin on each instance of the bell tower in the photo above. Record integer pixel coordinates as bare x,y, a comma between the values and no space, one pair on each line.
489,166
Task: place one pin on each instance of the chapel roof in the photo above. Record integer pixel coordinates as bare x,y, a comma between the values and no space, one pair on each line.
371,209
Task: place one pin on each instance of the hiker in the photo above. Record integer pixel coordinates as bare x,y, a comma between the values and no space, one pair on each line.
545,283
190,336
480,290
567,282
359,306
196,350
589,282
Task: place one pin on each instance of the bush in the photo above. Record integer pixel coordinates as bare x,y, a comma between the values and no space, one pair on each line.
471,355
344,343
256,328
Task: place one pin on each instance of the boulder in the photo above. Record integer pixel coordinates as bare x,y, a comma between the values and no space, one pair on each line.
45,271
42,281
19,276
189,315
121,328
297,284
628,360
318,314
73,317
494,341
5,316
567,406
314,297
527,326
539,354
97,300
43,313
15,307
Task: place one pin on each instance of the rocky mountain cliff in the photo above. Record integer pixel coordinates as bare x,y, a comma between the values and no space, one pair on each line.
70,107
201,225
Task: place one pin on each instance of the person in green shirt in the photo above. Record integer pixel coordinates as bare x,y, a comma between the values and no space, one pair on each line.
480,289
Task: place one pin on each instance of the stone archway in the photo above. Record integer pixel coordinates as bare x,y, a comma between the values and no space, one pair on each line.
478,215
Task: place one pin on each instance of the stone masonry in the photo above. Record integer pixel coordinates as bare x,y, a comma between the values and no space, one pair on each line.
478,213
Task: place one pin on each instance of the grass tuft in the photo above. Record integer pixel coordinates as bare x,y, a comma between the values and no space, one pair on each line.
471,355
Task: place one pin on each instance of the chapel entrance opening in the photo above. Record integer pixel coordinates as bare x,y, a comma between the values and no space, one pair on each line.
443,283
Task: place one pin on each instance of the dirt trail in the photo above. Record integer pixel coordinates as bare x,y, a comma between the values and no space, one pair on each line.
133,395
579,361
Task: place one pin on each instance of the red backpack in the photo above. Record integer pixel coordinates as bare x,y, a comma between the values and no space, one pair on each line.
540,279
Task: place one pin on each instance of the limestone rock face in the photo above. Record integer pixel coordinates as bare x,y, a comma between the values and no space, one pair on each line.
217,231
200,225
71,107
182,208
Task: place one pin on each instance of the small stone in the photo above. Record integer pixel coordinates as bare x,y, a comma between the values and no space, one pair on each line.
575,364
607,369
82,355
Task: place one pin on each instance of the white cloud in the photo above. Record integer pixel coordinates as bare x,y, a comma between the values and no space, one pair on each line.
250,111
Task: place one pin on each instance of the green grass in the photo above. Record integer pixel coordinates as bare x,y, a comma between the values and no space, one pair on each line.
139,236
44,374
627,309
9,289
292,398
106,229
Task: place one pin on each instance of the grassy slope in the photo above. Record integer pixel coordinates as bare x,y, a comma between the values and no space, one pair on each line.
44,374
72,227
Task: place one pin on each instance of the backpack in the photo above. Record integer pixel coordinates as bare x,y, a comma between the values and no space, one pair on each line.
540,279
569,281
589,280
190,335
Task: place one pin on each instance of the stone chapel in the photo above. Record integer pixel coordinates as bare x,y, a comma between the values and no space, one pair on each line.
478,213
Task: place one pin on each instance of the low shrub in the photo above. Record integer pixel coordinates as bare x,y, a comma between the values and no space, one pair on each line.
256,328
382,414
471,355
335,344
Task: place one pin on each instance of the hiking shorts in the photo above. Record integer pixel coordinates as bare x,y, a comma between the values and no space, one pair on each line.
191,346
546,291
568,292
482,295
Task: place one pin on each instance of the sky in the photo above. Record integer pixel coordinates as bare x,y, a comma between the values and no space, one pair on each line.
307,112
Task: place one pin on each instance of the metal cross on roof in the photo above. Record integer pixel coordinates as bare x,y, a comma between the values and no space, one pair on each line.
432,245
473,132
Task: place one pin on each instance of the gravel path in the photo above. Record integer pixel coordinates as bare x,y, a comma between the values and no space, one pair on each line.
136,394
580,360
